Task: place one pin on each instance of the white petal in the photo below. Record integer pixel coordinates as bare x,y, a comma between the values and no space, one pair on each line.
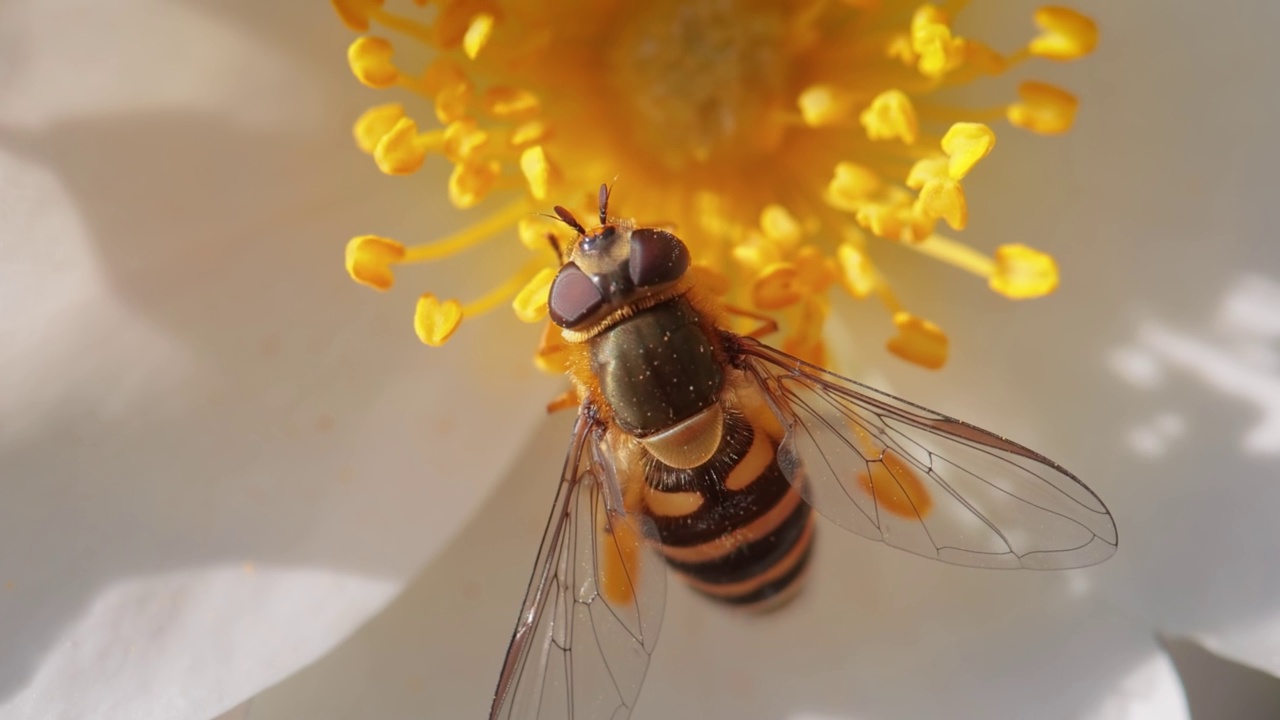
190,380
167,630
876,634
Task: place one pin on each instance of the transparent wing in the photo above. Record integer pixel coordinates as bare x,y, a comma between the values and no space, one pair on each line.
896,472
590,618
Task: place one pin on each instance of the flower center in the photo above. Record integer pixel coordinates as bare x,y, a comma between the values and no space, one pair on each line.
699,82
784,140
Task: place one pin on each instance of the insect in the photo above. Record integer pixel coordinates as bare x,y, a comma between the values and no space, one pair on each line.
707,452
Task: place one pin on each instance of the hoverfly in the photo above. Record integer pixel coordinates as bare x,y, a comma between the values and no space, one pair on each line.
707,452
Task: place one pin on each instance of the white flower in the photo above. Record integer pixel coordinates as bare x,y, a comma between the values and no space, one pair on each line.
219,457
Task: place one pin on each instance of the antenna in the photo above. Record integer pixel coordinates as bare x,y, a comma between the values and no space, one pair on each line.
605,190
555,245
567,218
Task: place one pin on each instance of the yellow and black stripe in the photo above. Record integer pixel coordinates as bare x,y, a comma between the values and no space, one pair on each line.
734,527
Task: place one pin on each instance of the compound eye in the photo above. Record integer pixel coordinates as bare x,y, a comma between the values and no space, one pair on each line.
573,297
657,257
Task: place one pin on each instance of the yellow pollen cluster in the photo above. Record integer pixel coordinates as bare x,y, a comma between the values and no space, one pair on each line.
783,142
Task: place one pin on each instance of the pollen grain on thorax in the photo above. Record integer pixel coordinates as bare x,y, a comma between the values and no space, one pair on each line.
785,144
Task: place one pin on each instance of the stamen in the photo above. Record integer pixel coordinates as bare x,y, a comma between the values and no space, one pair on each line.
369,259
452,101
477,35
355,13
777,287
462,139
435,321
965,144
932,42
510,103
1066,34
956,254
944,198
503,292
471,181
402,150
370,61
536,170
1043,109
890,116
851,185
504,117
822,105
1022,272
415,30
857,273
780,226
471,235
918,341
374,123
531,302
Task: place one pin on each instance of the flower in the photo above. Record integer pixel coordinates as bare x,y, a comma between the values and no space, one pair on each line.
787,143
219,459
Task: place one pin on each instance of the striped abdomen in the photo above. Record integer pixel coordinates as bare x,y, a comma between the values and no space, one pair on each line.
734,527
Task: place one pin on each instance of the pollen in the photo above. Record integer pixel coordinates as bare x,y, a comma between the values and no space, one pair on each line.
787,144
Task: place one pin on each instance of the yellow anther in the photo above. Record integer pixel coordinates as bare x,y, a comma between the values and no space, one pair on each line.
918,341
899,48
756,254
369,259
1064,34
529,133
944,198
401,151
965,144
890,116
851,185
510,102
374,123
471,182
370,60
925,170
780,226
536,170
531,302
1023,272
1043,109
777,287
895,222
355,13
452,101
477,34
462,138
938,50
824,105
858,276
435,321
